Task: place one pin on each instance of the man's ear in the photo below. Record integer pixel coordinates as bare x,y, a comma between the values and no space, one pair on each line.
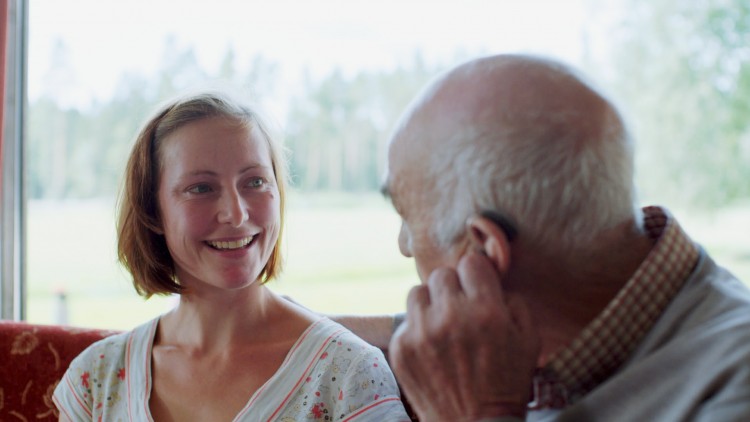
490,239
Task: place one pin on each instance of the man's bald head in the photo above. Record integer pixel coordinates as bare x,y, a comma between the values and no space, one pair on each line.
513,91
522,135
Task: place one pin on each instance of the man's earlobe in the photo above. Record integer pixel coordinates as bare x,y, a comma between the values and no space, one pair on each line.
490,239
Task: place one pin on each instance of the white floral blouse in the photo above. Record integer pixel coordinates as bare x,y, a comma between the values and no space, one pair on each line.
328,375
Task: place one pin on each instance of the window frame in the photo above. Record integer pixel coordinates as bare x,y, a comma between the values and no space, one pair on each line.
12,200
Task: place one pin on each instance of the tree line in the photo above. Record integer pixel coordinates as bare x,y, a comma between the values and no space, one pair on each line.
681,68
335,131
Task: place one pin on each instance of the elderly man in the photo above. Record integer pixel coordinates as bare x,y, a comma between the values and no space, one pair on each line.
547,293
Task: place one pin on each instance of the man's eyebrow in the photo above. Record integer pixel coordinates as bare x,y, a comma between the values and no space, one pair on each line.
385,191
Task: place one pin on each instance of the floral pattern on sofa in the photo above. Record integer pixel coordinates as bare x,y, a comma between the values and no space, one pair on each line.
33,359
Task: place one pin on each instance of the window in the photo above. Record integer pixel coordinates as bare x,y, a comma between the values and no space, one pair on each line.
335,75
335,82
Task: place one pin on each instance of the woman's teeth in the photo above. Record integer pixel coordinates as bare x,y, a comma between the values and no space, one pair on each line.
232,245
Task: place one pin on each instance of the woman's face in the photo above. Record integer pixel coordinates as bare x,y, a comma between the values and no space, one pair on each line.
219,203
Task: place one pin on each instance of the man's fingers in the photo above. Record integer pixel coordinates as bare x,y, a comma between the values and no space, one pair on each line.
404,344
444,286
418,298
479,278
417,303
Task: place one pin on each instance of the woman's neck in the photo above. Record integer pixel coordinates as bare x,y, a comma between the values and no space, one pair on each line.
225,319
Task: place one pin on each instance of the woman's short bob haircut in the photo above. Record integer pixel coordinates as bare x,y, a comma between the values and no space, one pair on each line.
140,247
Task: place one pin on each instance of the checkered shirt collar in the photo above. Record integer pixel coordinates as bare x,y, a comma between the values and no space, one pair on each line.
604,345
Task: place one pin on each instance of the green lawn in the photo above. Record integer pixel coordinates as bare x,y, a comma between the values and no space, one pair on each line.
341,255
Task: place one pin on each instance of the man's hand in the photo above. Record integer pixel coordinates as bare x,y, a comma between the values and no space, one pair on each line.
466,351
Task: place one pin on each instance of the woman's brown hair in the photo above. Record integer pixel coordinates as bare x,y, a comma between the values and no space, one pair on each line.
141,247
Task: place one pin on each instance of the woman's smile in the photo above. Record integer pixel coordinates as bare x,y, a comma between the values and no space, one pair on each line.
224,245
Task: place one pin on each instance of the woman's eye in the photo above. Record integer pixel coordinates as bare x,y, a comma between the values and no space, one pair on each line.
256,182
200,189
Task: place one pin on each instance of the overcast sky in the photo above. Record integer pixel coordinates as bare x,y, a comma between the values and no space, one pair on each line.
104,39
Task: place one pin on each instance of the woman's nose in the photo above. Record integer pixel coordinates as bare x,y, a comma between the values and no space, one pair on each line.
233,209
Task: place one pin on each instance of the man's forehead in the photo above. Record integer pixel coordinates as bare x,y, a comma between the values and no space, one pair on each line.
389,187
410,146
398,154
392,188
385,189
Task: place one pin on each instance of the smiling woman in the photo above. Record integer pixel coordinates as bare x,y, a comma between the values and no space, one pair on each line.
176,178
201,216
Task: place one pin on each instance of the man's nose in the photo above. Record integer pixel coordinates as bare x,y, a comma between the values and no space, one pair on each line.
233,209
404,241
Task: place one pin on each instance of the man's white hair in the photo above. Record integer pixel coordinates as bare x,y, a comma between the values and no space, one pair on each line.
559,190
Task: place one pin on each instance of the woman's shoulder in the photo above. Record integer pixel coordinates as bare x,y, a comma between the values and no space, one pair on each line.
338,335
110,350
344,349
103,349
95,379
352,377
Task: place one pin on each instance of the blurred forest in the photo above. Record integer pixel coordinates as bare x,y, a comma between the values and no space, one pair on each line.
681,69
335,129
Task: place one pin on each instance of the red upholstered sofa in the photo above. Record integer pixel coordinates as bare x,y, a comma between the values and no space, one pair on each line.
33,358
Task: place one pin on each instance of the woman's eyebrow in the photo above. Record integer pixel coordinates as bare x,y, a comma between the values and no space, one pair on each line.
213,173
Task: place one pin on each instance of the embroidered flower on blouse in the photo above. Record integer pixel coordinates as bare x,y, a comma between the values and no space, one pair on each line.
85,379
121,374
318,410
24,343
